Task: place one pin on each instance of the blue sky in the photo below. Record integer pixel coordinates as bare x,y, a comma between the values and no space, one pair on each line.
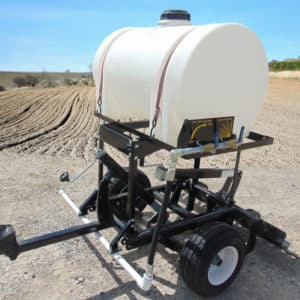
59,35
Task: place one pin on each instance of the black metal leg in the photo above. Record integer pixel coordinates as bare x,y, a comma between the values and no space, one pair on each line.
236,178
120,234
191,200
131,186
161,219
176,195
103,206
100,163
89,204
251,240
235,184
225,188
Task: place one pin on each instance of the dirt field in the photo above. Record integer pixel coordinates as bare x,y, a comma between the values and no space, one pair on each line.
58,121
45,132
285,74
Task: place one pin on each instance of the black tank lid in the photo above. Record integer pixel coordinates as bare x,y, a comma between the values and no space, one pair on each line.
175,14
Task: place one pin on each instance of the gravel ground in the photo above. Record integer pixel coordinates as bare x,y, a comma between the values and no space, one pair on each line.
80,268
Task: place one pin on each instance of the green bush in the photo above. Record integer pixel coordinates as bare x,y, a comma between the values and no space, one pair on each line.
27,80
288,65
70,82
84,82
20,81
50,84
31,80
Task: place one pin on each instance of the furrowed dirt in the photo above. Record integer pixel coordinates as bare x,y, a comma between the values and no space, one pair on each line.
58,122
44,132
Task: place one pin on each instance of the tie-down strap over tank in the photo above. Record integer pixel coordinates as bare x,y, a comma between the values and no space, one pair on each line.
162,76
101,68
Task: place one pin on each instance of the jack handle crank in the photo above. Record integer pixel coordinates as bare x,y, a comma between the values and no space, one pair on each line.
65,177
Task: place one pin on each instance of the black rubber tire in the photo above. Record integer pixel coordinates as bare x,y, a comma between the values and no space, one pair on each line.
201,248
117,187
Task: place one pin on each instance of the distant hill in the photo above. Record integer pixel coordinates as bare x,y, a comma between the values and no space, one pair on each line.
286,65
46,79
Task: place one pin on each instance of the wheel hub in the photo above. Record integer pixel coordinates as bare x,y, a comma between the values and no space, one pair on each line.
223,265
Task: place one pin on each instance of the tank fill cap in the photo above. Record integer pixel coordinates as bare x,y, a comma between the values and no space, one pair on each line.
175,14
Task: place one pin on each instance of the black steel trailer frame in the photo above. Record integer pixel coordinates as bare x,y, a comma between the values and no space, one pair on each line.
134,230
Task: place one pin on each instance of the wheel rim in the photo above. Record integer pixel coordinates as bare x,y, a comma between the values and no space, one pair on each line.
223,265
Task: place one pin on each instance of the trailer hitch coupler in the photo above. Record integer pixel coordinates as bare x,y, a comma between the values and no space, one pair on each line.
8,242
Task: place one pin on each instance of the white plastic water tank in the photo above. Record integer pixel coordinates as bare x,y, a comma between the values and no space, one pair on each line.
193,72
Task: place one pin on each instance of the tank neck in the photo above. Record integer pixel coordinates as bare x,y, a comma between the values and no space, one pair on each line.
174,22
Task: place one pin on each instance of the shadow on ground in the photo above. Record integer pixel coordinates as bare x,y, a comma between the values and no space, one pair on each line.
283,283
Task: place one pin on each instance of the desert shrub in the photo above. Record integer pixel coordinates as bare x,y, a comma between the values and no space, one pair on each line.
70,82
20,81
50,84
2,88
28,80
31,80
84,82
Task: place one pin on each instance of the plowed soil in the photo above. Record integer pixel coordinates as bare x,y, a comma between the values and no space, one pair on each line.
44,132
58,121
